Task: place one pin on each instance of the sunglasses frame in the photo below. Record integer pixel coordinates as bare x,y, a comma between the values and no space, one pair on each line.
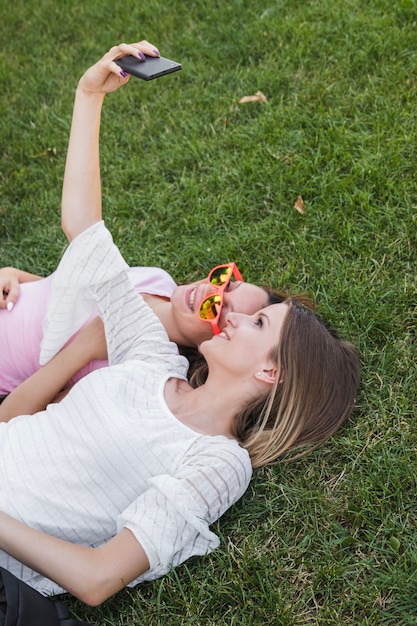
219,291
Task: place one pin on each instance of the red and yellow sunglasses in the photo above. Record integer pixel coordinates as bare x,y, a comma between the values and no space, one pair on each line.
210,307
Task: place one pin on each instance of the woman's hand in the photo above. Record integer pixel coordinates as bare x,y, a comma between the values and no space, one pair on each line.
106,76
10,278
9,285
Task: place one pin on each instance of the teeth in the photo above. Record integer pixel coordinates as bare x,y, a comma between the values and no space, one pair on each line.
191,300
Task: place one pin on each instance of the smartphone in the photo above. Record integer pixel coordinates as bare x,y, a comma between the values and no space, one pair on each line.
151,67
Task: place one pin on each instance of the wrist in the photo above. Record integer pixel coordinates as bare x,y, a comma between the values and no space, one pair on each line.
82,92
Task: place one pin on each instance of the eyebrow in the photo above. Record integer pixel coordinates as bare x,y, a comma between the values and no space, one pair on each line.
262,314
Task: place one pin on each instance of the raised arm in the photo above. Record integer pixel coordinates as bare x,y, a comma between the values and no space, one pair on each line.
81,194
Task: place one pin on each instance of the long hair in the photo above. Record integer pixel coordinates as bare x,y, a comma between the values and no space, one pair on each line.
313,395
198,370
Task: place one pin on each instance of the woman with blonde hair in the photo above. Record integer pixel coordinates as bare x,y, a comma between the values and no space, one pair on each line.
120,481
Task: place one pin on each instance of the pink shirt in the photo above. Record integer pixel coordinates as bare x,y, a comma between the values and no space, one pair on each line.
21,329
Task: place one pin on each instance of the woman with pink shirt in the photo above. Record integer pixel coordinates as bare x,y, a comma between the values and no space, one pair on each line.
24,307
26,297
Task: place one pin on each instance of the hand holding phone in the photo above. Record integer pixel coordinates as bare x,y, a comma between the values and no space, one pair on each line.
150,68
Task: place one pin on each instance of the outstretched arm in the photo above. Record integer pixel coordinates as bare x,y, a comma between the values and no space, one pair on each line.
90,574
81,194
44,385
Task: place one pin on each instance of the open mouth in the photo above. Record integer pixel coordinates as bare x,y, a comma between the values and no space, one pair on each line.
191,298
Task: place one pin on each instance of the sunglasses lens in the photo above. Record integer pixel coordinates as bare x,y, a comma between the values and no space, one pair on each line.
210,307
220,275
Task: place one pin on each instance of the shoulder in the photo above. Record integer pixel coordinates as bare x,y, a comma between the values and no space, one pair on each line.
152,280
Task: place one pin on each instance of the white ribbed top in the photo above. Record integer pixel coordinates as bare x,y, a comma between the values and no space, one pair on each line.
111,454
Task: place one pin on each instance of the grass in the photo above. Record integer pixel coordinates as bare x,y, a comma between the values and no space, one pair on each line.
191,178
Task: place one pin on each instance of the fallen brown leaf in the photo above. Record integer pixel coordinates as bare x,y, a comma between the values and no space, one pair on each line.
258,97
299,205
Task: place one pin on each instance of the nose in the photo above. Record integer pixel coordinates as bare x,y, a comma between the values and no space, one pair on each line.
233,318
207,289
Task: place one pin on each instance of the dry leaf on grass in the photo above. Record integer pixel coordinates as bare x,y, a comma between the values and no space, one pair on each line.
258,97
299,205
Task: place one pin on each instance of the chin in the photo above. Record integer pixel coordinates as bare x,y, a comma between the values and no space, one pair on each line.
203,345
200,347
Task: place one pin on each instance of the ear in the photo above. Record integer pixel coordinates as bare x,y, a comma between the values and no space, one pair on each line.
267,375
270,375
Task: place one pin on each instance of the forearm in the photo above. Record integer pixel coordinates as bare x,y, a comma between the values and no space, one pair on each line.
90,574
42,387
51,557
20,275
81,193
81,198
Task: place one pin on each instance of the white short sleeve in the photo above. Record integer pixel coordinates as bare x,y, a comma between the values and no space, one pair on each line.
171,519
90,259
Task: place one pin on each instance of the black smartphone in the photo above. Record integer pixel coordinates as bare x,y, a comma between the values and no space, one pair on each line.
151,67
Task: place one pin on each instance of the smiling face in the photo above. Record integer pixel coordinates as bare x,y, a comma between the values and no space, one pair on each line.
247,342
239,297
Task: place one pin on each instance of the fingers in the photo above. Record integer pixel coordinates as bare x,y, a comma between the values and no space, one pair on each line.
147,48
10,294
140,49
106,76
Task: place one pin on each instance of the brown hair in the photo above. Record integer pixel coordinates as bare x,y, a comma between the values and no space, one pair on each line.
312,397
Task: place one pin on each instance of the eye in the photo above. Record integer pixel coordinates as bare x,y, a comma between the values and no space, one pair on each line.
259,322
233,284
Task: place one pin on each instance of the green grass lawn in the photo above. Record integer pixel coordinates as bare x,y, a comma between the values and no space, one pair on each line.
192,178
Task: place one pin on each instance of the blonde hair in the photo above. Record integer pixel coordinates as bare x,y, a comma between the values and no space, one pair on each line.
311,398
313,395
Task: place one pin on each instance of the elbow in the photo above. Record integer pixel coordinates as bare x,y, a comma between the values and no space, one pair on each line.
95,587
74,227
92,600
66,229
93,594
105,570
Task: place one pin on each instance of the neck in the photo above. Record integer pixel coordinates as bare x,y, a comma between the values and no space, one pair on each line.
205,409
163,309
